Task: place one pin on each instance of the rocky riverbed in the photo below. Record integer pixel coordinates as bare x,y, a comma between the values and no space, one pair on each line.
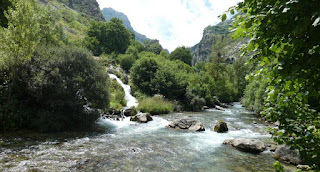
131,146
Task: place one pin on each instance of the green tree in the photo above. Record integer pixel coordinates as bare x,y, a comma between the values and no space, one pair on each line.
153,46
107,37
181,53
5,5
60,89
126,61
142,74
285,40
19,40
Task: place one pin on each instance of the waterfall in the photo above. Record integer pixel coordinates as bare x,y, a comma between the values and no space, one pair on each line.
131,101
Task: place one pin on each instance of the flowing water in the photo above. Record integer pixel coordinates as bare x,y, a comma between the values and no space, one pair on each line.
131,101
129,146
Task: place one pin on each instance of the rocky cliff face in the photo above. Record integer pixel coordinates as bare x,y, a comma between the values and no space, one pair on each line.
217,39
109,13
88,7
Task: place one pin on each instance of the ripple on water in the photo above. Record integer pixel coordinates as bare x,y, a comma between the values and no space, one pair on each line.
147,147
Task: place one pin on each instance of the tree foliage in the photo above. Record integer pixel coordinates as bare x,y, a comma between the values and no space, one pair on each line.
181,53
57,92
108,37
285,40
45,85
153,46
5,5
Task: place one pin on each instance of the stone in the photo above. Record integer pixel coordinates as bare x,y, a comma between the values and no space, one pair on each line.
221,127
114,112
187,124
271,147
303,167
284,153
205,107
219,108
129,112
141,117
246,145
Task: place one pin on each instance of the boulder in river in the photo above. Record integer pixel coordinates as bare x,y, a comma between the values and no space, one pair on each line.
221,127
219,108
205,107
114,112
130,112
141,117
246,145
187,124
284,153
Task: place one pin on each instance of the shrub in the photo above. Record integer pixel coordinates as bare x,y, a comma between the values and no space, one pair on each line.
59,89
126,61
156,105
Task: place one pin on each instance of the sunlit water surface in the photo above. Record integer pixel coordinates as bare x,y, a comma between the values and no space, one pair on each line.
129,146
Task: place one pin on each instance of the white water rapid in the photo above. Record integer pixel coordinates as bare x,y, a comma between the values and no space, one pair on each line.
131,101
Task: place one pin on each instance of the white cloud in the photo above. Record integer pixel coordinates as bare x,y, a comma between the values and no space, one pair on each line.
173,22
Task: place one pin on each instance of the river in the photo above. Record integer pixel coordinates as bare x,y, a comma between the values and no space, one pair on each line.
129,146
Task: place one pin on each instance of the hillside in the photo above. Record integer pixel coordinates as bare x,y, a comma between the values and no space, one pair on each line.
88,7
216,40
74,15
109,13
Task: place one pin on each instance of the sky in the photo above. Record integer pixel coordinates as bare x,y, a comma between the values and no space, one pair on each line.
174,23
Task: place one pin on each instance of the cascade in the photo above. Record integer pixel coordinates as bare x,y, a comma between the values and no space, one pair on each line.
131,101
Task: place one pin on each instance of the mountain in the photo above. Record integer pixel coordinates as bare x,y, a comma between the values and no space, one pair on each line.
88,7
217,40
109,13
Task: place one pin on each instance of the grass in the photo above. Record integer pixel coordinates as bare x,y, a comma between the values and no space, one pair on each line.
156,105
117,94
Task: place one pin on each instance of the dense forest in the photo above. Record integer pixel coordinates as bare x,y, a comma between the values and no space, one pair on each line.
53,63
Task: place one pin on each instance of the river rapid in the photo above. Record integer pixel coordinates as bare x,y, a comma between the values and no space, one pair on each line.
129,146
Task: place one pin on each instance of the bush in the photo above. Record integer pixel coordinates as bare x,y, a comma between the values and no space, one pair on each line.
106,60
156,105
194,102
59,89
126,61
255,94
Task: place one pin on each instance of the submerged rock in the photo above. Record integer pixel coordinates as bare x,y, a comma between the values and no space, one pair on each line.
284,153
187,124
246,145
221,127
141,117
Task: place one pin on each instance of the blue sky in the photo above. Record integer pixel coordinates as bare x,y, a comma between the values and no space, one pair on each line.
174,22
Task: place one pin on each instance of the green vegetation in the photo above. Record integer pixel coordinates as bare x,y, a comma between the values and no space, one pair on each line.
117,94
50,82
109,13
181,53
107,37
153,46
46,84
156,105
192,87
285,44
5,4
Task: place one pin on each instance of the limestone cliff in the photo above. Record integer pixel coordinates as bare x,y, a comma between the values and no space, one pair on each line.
217,41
